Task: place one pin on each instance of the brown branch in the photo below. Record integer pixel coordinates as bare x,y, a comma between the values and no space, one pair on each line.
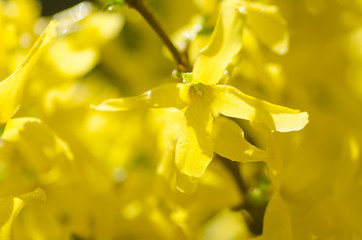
255,211
181,59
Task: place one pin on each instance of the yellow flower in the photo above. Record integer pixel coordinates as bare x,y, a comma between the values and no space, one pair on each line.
202,100
39,150
11,89
84,30
267,24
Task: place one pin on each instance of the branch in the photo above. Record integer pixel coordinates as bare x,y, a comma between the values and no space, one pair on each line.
181,59
255,211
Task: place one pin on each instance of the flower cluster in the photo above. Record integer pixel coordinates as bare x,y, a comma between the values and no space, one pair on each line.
215,150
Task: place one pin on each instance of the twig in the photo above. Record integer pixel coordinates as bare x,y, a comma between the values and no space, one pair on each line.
180,58
255,211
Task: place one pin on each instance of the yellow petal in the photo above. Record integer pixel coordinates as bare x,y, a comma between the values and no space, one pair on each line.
268,25
11,89
34,133
170,95
41,149
231,102
10,208
226,224
37,196
185,183
207,6
194,148
224,44
70,61
78,51
231,144
277,220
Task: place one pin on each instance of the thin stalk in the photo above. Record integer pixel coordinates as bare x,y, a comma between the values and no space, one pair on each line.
181,59
255,211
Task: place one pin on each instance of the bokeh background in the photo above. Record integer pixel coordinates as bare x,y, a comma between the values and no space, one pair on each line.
101,171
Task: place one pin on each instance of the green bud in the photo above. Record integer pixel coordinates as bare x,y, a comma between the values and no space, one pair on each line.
2,129
176,74
112,3
187,77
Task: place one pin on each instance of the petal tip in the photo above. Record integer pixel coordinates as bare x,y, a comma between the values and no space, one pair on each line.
104,107
292,122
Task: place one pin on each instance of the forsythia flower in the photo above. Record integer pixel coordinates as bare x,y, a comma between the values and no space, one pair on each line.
202,100
107,175
266,24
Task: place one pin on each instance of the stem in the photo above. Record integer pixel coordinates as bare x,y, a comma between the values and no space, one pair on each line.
257,212
181,59
233,168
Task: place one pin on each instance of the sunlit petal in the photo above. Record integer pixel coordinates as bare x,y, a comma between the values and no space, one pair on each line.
11,89
225,42
231,102
165,96
194,149
268,25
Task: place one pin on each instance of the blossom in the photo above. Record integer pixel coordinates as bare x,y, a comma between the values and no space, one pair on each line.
202,100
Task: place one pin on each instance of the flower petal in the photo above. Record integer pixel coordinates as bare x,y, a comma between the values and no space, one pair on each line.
231,102
194,148
231,144
224,44
10,208
78,50
170,95
185,183
32,133
268,25
41,151
277,219
11,89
